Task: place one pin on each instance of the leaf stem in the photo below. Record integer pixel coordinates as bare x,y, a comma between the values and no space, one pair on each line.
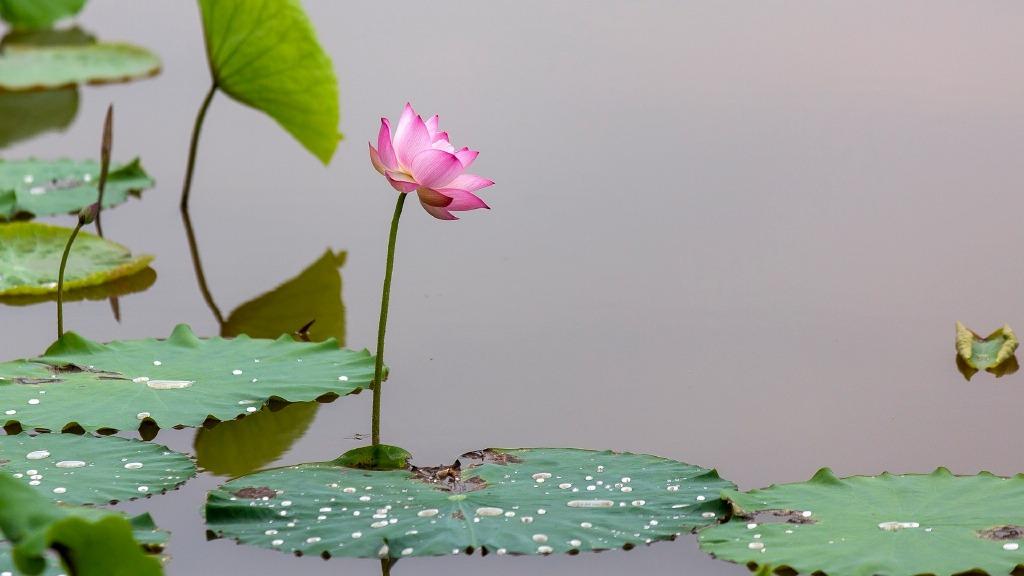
186,188
60,279
382,327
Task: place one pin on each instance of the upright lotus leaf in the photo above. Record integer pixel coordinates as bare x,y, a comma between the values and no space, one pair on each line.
525,501
24,115
312,296
47,188
264,53
49,67
38,13
89,542
30,255
179,381
937,524
138,282
93,470
993,353
242,446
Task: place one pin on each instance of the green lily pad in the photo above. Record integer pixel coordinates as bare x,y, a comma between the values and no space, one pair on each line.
993,353
264,53
40,188
28,114
89,542
38,13
241,446
180,381
30,255
92,470
314,295
44,68
525,501
935,524
138,282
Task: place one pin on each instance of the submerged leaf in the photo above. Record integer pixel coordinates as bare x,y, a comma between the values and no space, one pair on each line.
41,188
30,255
524,501
179,381
92,470
90,542
312,296
264,53
38,13
993,353
24,115
241,446
936,524
43,68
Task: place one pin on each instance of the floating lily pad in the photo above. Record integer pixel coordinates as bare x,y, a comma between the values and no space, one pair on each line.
242,446
28,114
312,296
526,501
30,255
89,542
44,68
264,53
38,13
180,381
993,353
138,282
40,188
936,524
92,470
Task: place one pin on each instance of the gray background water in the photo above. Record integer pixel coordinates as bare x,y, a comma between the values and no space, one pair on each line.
736,234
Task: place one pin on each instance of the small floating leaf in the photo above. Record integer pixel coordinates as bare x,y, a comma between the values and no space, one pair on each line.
138,282
90,542
30,255
92,470
313,295
38,13
264,53
993,353
525,501
40,188
179,381
28,114
241,446
936,524
48,67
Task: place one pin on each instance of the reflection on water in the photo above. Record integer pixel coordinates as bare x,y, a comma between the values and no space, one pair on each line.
24,115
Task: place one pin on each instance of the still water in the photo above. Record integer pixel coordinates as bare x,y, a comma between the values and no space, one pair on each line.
733,234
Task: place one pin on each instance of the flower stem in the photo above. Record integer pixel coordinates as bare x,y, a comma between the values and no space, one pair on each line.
385,298
60,279
194,146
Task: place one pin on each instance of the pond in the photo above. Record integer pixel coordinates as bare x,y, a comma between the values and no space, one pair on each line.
735,235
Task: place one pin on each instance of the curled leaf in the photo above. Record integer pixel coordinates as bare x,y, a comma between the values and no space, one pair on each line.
993,353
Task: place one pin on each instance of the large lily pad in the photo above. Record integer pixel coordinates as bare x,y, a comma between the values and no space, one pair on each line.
242,446
993,353
89,542
40,188
526,501
38,13
312,296
937,524
24,115
44,68
264,53
138,282
180,381
30,255
93,470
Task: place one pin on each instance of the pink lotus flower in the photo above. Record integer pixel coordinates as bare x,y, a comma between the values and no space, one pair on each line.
419,157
